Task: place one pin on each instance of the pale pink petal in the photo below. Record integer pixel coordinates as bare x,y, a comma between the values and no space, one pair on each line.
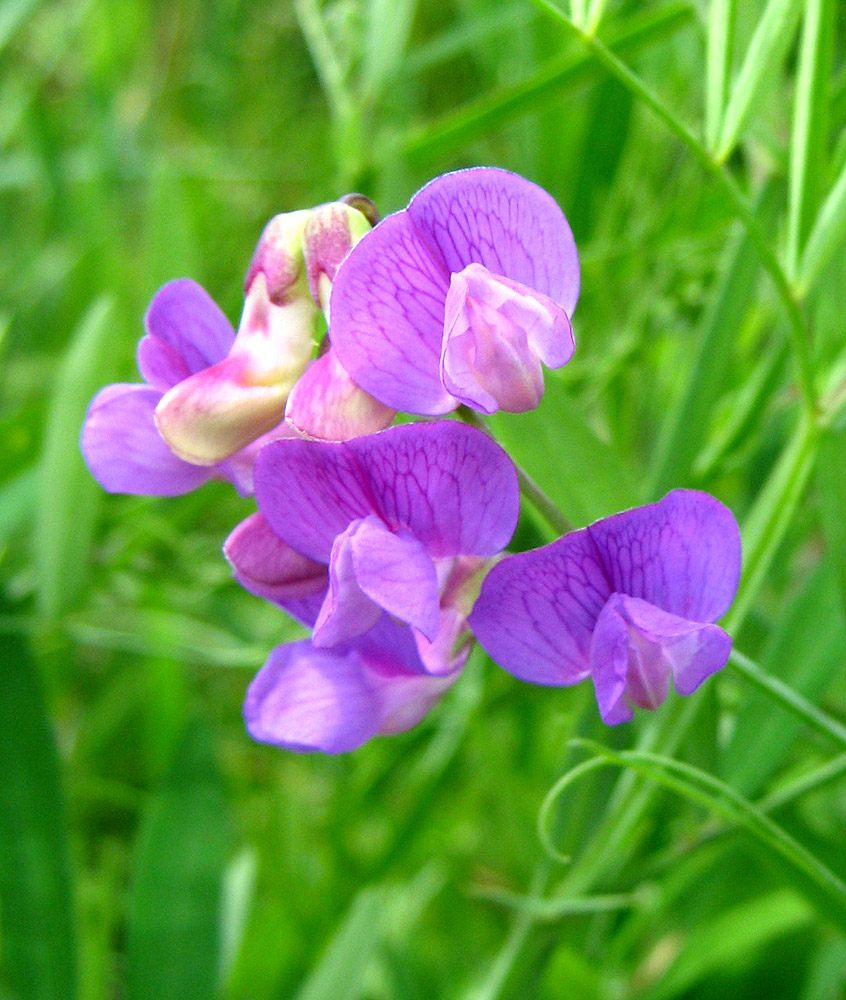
266,566
326,403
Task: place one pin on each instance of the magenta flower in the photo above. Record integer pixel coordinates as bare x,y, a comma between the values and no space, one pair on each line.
460,297
212,398
219,410
629,601
186,334
378,544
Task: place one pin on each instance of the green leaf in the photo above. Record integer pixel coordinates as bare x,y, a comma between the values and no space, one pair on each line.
826,236
773,37
701,788
684,429
803,651
69,496
378,915
388,26
39,949
766,524
831,483
558,76
730,940
719,53
174,935
579,472
810,126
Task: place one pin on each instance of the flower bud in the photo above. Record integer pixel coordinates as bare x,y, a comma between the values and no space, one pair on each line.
279,257
331,231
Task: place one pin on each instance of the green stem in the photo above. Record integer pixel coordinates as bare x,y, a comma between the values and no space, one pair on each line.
740,206
528,487
771,515
787,698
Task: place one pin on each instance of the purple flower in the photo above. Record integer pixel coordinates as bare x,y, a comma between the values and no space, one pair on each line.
186,333
217,411
378,544
460,297
629,601
212,398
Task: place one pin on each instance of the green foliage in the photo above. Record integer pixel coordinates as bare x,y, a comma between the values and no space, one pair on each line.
154,143
39,947
173,944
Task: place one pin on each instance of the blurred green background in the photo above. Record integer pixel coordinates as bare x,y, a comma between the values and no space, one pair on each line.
150,850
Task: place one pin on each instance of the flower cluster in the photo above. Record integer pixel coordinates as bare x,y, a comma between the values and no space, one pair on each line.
387,543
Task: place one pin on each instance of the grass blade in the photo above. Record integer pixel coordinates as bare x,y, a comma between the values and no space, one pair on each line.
826,236
718,67
768,47
731,939
767,522
804,652
789,699
174,946
704,790
39,950
388,26
379,916
684,429
587,480
810,125
832,494
69,496
555,78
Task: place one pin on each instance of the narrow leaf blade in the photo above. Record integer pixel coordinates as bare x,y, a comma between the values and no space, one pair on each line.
578,471
174,946
809,135
768,47
69,496
39,949
719,53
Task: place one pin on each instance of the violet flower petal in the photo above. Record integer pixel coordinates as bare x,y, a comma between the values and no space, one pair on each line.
238,468
494,217
388,298
161,365
536,611
310,699
185,318
334,700
452,487
395,571
267,567
346,612
496,333
371,570
637,648
681,554
387,318
125,452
